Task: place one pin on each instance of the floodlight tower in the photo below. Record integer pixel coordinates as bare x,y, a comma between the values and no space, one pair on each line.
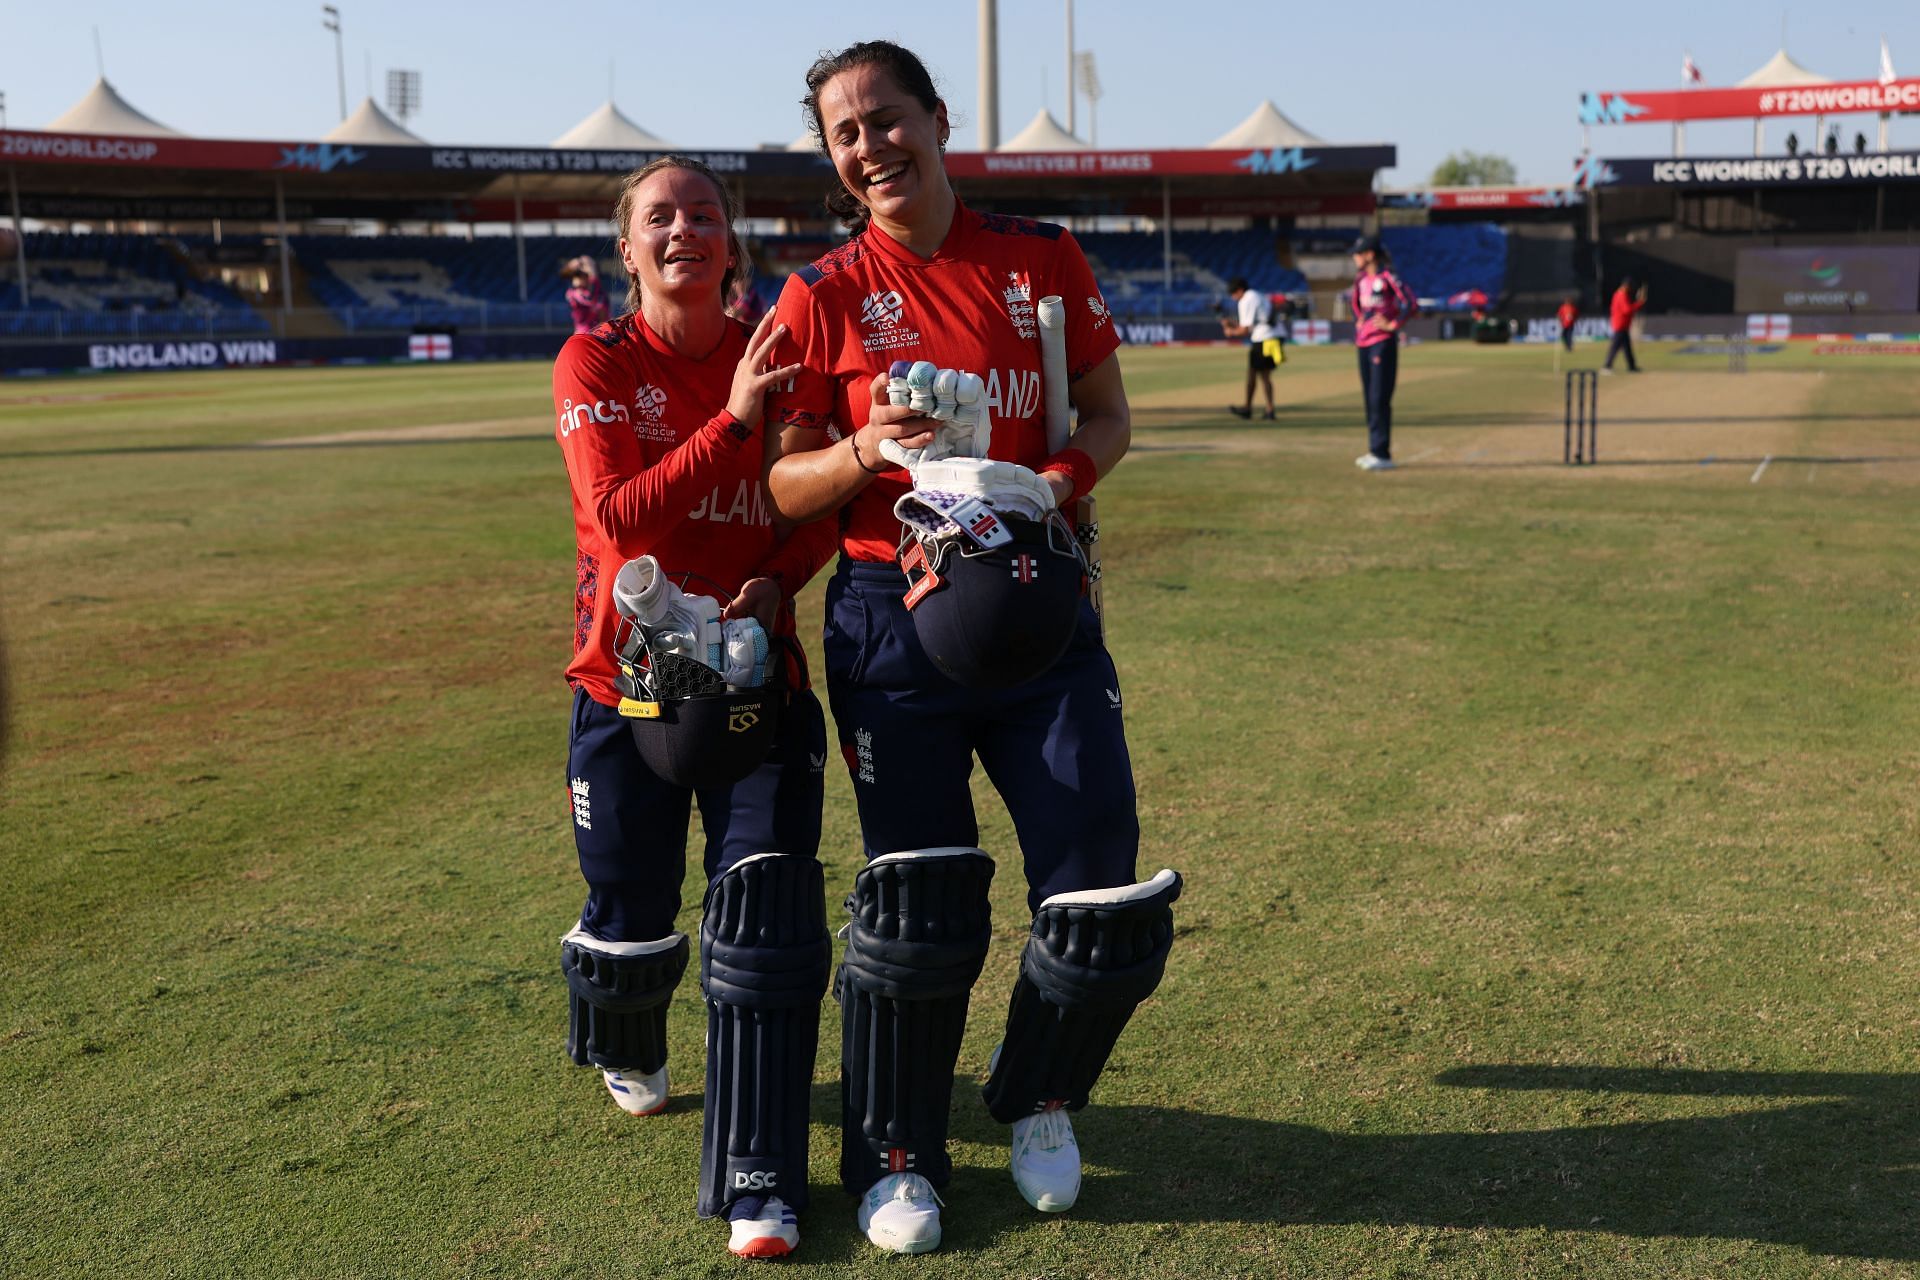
989,75
1090,85
1071,94
330,19
403,93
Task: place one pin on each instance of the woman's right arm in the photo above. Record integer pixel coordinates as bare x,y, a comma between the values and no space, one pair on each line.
810,474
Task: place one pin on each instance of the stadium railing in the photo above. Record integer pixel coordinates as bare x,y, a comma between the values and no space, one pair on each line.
50,325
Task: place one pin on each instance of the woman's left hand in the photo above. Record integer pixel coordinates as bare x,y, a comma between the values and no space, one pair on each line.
759,598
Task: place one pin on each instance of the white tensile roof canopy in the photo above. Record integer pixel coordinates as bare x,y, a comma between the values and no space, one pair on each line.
372,127
1268,126
103,110
607,129
1780,71
1044,134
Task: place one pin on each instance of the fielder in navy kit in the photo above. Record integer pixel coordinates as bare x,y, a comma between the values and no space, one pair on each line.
659,467
926,279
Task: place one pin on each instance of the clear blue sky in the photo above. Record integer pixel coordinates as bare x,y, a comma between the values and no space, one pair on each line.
1432,78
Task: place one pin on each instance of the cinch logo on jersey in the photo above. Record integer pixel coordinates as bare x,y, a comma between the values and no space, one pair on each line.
1019,297
881,313
575,416
1098,306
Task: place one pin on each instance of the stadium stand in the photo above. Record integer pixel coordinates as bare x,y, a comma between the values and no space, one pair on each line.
1132,275
1439,261
118,286
123,285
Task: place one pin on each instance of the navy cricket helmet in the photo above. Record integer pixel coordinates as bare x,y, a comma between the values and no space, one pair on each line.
994,617
693,729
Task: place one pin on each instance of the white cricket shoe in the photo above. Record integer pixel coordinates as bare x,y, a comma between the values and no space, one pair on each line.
1374,462
638,1094
1046,1161
763,1228
901,1214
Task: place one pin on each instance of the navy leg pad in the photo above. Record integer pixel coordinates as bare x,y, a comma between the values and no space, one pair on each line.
919,935
618,995
1091,959
764,961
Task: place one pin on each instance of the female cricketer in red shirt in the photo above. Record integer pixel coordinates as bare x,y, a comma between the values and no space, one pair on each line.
659,467
925,278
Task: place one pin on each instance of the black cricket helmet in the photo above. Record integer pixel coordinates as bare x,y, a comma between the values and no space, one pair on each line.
692,729
994,617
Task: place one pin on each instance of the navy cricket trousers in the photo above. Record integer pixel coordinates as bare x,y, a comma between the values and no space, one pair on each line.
1379,365
1054,748
630,825
1622,343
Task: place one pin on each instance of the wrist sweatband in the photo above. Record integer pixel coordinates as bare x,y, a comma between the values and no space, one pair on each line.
1075,466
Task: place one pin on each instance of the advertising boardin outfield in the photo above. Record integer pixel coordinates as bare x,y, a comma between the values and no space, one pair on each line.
1749,171
1736,103
1827,279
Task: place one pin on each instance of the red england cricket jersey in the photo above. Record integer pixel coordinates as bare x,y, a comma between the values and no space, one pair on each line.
659,467
970,306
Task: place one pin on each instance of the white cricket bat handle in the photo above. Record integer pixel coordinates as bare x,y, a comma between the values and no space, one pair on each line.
1052,314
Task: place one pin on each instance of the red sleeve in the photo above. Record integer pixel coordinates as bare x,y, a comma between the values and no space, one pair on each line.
1090,330
632,504
807,400
803,553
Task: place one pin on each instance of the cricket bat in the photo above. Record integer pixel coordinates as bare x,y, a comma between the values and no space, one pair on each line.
1084,512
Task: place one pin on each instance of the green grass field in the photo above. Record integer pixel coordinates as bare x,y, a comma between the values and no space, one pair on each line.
1550,840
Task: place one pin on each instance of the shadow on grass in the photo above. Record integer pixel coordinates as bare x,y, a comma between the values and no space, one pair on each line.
1836,1171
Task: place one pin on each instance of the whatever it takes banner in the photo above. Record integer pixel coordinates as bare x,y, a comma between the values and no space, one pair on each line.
1746,104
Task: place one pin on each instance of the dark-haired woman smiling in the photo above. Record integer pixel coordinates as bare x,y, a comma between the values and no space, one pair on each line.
926,278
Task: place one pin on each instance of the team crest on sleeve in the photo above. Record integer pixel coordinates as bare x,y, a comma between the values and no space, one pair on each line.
1098,306
1019,297
881,316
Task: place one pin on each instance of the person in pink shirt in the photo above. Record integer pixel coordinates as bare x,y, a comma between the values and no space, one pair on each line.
1382,304
586,296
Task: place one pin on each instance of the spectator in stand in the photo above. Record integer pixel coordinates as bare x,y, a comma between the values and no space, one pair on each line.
1382,304
586,295
1627,301
1254,313
1568,313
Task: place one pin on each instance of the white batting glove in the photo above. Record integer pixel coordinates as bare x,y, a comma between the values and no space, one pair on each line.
954,398
1005,486
920,380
